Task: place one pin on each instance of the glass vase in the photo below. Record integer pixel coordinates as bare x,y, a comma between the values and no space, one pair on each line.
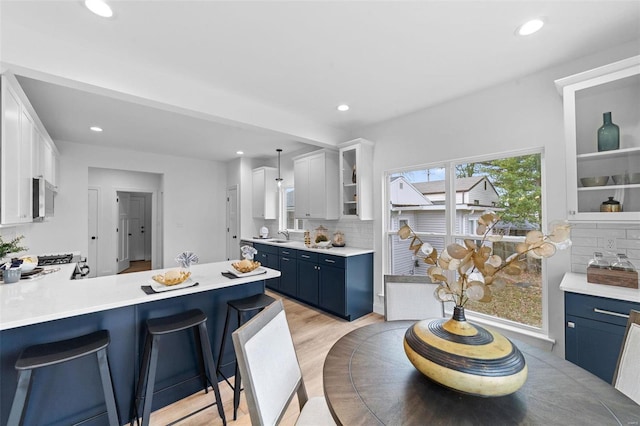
608,134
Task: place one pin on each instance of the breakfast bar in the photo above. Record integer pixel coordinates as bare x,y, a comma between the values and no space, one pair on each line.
54,307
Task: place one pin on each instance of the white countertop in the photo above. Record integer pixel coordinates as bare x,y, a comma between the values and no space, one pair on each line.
55,296
299,245
577,283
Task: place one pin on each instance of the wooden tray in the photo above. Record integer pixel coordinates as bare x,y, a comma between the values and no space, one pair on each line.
627,279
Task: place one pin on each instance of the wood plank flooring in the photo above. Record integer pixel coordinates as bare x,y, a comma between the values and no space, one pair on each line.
314,333
137,266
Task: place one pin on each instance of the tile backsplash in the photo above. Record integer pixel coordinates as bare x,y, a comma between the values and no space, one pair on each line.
588,238
357,233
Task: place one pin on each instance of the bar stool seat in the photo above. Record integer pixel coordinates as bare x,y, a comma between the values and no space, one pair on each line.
243,307
193,319
47,354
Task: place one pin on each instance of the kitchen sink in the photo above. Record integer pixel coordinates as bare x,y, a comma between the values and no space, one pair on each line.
279,241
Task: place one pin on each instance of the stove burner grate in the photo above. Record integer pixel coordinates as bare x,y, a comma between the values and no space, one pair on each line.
54,259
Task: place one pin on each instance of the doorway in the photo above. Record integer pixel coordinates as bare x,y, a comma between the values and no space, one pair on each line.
127,231
134,231
233,230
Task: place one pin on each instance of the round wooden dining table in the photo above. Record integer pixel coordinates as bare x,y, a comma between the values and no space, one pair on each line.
368,380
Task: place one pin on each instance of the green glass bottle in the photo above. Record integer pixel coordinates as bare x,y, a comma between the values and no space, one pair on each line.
608,134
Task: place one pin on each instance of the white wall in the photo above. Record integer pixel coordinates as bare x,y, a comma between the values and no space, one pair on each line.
194,211
519,114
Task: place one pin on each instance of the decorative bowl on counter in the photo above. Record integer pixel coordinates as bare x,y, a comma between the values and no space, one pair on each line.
323,244
172,277
29,263
245,265
594,181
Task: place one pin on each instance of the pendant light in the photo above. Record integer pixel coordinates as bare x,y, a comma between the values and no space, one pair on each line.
279,179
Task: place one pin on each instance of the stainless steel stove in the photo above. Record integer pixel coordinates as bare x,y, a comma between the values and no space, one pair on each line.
55,259
81,271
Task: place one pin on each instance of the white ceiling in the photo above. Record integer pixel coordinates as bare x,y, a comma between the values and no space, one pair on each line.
205,78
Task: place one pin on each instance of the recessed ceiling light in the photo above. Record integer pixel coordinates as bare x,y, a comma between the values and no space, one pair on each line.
530,27
239,152
99,7
95,128
343,107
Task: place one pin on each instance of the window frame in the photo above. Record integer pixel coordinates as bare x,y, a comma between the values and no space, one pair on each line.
282,211
450,234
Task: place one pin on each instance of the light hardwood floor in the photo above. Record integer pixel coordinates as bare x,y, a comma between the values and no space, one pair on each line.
137,266
314,333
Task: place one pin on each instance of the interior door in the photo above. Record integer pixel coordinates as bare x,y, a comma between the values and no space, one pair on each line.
92,255
136,227
233,239
123,231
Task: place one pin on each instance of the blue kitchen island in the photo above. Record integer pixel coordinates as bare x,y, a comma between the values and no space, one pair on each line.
54,307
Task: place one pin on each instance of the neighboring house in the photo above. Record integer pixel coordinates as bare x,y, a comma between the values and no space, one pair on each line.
424,202
421,205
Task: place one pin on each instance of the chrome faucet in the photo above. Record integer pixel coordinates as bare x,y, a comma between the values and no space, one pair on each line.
285,233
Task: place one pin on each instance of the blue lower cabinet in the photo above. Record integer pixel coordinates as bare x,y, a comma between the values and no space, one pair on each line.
268,256
308,281
333,290
594,329
288,271
340,285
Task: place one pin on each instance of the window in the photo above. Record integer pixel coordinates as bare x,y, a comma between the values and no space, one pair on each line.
442,205
287,211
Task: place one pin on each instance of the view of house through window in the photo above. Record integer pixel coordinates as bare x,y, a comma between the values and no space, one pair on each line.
442,205
288,208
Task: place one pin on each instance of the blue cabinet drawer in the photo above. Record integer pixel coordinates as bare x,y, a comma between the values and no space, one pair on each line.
265,248
611,311
326,259
309,256
287,252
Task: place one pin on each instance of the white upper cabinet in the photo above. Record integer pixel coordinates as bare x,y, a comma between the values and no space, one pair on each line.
316,185
587,96
356,179
45,158
16,158
265,193
26,151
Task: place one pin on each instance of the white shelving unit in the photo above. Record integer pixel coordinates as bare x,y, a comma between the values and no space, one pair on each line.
612,88
356,179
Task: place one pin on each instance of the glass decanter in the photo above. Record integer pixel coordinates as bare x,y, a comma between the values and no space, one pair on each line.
622,263
598,261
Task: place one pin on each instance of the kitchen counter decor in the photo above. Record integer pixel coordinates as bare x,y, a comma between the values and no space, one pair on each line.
172,277
186,259
321,237
12,246
454,352
245,265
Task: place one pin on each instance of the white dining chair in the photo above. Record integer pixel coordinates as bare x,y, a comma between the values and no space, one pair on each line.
271,372
410,297
627,376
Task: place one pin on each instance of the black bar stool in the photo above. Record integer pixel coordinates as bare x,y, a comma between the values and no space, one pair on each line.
243,307
156,328
47,354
